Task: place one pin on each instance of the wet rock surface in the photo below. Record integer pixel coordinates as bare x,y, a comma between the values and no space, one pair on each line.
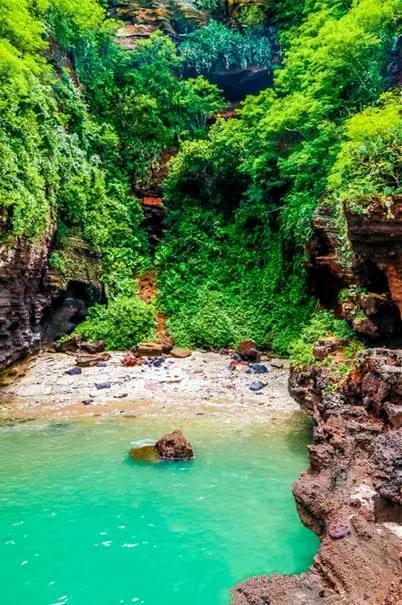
351,494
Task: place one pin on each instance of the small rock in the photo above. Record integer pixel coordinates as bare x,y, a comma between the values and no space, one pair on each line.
276,363
87,402
257,386
131,360
338,530
180,353
121,395
248,351
101,364
73,371
103,385
257,368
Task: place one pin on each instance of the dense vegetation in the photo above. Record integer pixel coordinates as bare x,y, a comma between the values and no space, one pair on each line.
242,199
83,125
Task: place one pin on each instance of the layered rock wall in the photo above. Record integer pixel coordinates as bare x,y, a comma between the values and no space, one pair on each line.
24,294
351,496
360,278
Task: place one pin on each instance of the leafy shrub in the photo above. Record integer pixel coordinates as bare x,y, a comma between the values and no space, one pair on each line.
122,324
217,46
368,166
321,325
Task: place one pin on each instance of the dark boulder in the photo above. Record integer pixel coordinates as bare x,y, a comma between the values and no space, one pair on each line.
248,351
174,446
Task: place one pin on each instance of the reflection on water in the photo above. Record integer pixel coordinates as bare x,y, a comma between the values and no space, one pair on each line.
81,523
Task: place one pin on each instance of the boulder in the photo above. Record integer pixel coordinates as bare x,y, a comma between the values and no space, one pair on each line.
248,351
149,349
174,446
180,353
88,361
93,347
71,345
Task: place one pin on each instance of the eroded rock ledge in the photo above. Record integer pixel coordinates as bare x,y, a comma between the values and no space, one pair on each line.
351,495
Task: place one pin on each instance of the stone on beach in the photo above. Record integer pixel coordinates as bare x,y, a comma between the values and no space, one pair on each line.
248,351
257,386
257,368
91,360
180,353
73,371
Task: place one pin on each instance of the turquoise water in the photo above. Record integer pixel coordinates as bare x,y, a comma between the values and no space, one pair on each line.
81,524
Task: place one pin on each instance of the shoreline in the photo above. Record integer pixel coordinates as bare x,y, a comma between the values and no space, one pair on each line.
203,384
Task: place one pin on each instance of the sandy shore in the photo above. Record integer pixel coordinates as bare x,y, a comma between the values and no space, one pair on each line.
202,384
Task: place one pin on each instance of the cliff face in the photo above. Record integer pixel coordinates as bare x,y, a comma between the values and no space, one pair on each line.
351,496
24,294
366,290
37,303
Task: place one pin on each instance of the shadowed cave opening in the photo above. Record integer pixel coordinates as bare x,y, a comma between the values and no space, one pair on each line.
68,309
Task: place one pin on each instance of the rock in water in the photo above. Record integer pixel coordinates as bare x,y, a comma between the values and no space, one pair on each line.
144,453
174,446
248,351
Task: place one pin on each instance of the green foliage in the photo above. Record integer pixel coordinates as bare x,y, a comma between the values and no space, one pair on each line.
126,321
322,324
241,200
368,166
217,47
56,262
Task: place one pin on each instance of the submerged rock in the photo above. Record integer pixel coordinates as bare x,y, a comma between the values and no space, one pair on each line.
144,453
174,446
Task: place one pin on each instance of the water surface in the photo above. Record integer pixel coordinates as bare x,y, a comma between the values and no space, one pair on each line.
81,524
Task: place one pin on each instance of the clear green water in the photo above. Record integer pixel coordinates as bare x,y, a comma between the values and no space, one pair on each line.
80,524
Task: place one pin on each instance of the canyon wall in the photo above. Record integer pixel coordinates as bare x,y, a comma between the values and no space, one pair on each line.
351,495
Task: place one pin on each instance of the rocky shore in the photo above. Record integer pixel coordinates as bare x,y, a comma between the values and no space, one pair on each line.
351,496
52,385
